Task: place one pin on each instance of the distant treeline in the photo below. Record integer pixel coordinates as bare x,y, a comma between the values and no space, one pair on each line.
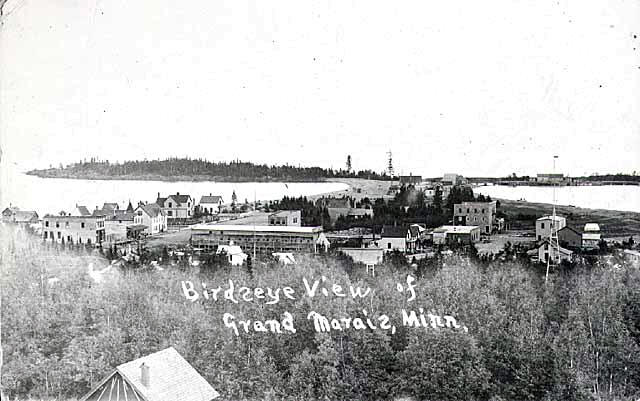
611,177
199,169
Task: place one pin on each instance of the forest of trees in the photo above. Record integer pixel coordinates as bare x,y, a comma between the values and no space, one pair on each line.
200,169
575,338
611,177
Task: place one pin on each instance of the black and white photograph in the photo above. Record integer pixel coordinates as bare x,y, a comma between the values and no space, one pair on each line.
243,200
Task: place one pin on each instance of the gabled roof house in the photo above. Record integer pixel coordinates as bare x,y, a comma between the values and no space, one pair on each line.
161,376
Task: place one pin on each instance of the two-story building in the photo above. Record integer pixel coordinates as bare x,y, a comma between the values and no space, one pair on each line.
545,225
176,206
481,214
211,204
149,218
73,229
591,236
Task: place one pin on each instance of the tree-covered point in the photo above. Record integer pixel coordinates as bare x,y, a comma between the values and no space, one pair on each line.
199,169
611,177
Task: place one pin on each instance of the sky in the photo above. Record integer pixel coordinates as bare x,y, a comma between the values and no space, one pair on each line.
478,88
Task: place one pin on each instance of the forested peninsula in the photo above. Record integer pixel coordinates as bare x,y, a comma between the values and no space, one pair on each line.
187,169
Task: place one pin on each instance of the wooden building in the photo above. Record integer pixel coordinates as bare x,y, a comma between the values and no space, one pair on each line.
161,376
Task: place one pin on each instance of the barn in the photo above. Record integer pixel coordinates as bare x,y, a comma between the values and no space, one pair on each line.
164,375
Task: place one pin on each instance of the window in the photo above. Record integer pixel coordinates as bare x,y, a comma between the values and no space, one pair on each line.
542,225
57,224
139,212
482,210
46,223
475,210
82,225
169,213
170,204
45,235
295,220
59,235
459,210
389,245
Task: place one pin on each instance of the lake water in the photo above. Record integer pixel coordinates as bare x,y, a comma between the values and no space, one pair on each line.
51,195
611,197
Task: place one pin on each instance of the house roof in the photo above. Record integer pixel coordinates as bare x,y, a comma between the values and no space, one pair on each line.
152,209
416,229
561,249
251,228
568,228
591,227
211,199
10,210
337,202
455,229
24,216
171,378
286,213
160,201
558,218
179,199
360,212
83,211
285,257
230,250
394,231
126,216
110,206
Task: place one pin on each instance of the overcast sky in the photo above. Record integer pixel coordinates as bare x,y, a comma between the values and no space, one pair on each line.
475,87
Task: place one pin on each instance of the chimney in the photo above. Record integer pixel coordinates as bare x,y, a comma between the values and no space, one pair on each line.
209,193
144,374
158,195
178,193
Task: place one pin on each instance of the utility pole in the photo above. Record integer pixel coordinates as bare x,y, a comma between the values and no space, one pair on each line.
255,207
554,246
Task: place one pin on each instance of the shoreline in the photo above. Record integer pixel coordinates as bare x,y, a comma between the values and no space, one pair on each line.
613,222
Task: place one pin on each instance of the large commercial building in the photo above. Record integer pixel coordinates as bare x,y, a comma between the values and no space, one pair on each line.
266,239
73,229
481,214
